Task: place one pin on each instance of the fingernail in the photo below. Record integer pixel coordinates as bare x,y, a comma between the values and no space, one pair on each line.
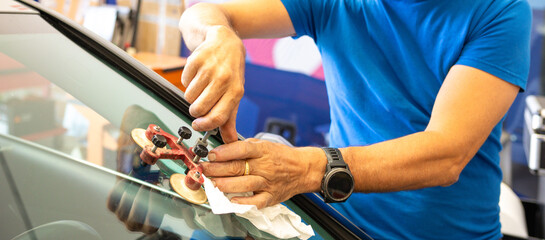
234,201
212,157
214,183
195,125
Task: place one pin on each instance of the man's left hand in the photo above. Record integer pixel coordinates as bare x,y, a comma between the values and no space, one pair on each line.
276,171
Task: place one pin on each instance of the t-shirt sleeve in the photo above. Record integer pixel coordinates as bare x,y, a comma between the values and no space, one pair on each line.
305,15
500,43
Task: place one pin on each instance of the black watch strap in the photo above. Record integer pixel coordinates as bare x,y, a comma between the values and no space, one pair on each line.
334,158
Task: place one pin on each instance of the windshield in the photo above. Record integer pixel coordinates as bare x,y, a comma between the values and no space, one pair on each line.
66,150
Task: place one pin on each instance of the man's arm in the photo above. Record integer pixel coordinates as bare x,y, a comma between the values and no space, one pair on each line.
214,73
248,18
469,104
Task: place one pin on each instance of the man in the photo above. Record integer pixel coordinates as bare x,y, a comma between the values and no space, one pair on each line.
417,89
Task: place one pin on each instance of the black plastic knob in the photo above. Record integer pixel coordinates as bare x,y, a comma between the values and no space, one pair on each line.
200,150
159,141
184,132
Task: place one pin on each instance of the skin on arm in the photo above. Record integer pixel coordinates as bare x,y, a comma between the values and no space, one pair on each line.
468,106
214,72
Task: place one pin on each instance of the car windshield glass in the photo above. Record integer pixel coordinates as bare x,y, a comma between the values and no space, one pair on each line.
66,118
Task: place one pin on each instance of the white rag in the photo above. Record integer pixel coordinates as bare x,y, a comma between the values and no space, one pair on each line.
276,220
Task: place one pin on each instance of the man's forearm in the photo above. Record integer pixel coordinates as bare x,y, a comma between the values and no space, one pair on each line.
424,159
197,20
461,120
245,18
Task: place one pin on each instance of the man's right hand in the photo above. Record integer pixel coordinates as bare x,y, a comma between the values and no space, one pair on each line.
214,73
214,78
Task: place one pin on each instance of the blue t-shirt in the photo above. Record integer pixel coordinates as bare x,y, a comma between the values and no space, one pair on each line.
384,62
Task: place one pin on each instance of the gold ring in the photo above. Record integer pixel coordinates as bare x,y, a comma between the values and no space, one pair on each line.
246,168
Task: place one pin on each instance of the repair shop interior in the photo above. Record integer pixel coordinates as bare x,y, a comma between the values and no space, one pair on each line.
97,141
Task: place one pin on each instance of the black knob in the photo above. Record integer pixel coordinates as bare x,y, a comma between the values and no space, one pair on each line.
200,150
184,132
159,141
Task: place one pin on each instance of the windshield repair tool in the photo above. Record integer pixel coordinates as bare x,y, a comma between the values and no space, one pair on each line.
200,149
153,141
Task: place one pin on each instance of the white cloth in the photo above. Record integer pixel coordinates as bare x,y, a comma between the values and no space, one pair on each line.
276,220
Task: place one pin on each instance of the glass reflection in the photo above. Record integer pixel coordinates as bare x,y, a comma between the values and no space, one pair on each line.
66,150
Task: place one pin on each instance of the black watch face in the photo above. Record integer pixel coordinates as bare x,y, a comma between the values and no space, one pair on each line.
340,185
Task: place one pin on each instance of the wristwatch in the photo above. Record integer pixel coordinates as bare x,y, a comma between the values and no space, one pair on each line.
338,182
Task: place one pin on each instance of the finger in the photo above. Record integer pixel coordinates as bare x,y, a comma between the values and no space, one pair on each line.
191,67
224,169
115,195
197,85
126,202
260,200
228,130
249,183
207,99
138,212
220,112
247,149
154,218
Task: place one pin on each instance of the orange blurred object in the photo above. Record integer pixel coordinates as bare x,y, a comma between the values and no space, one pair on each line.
169,67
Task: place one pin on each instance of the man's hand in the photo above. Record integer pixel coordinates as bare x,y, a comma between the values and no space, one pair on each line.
214,78
277,172
214,73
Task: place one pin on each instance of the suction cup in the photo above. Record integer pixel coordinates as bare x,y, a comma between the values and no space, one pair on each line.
193,196
139,137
